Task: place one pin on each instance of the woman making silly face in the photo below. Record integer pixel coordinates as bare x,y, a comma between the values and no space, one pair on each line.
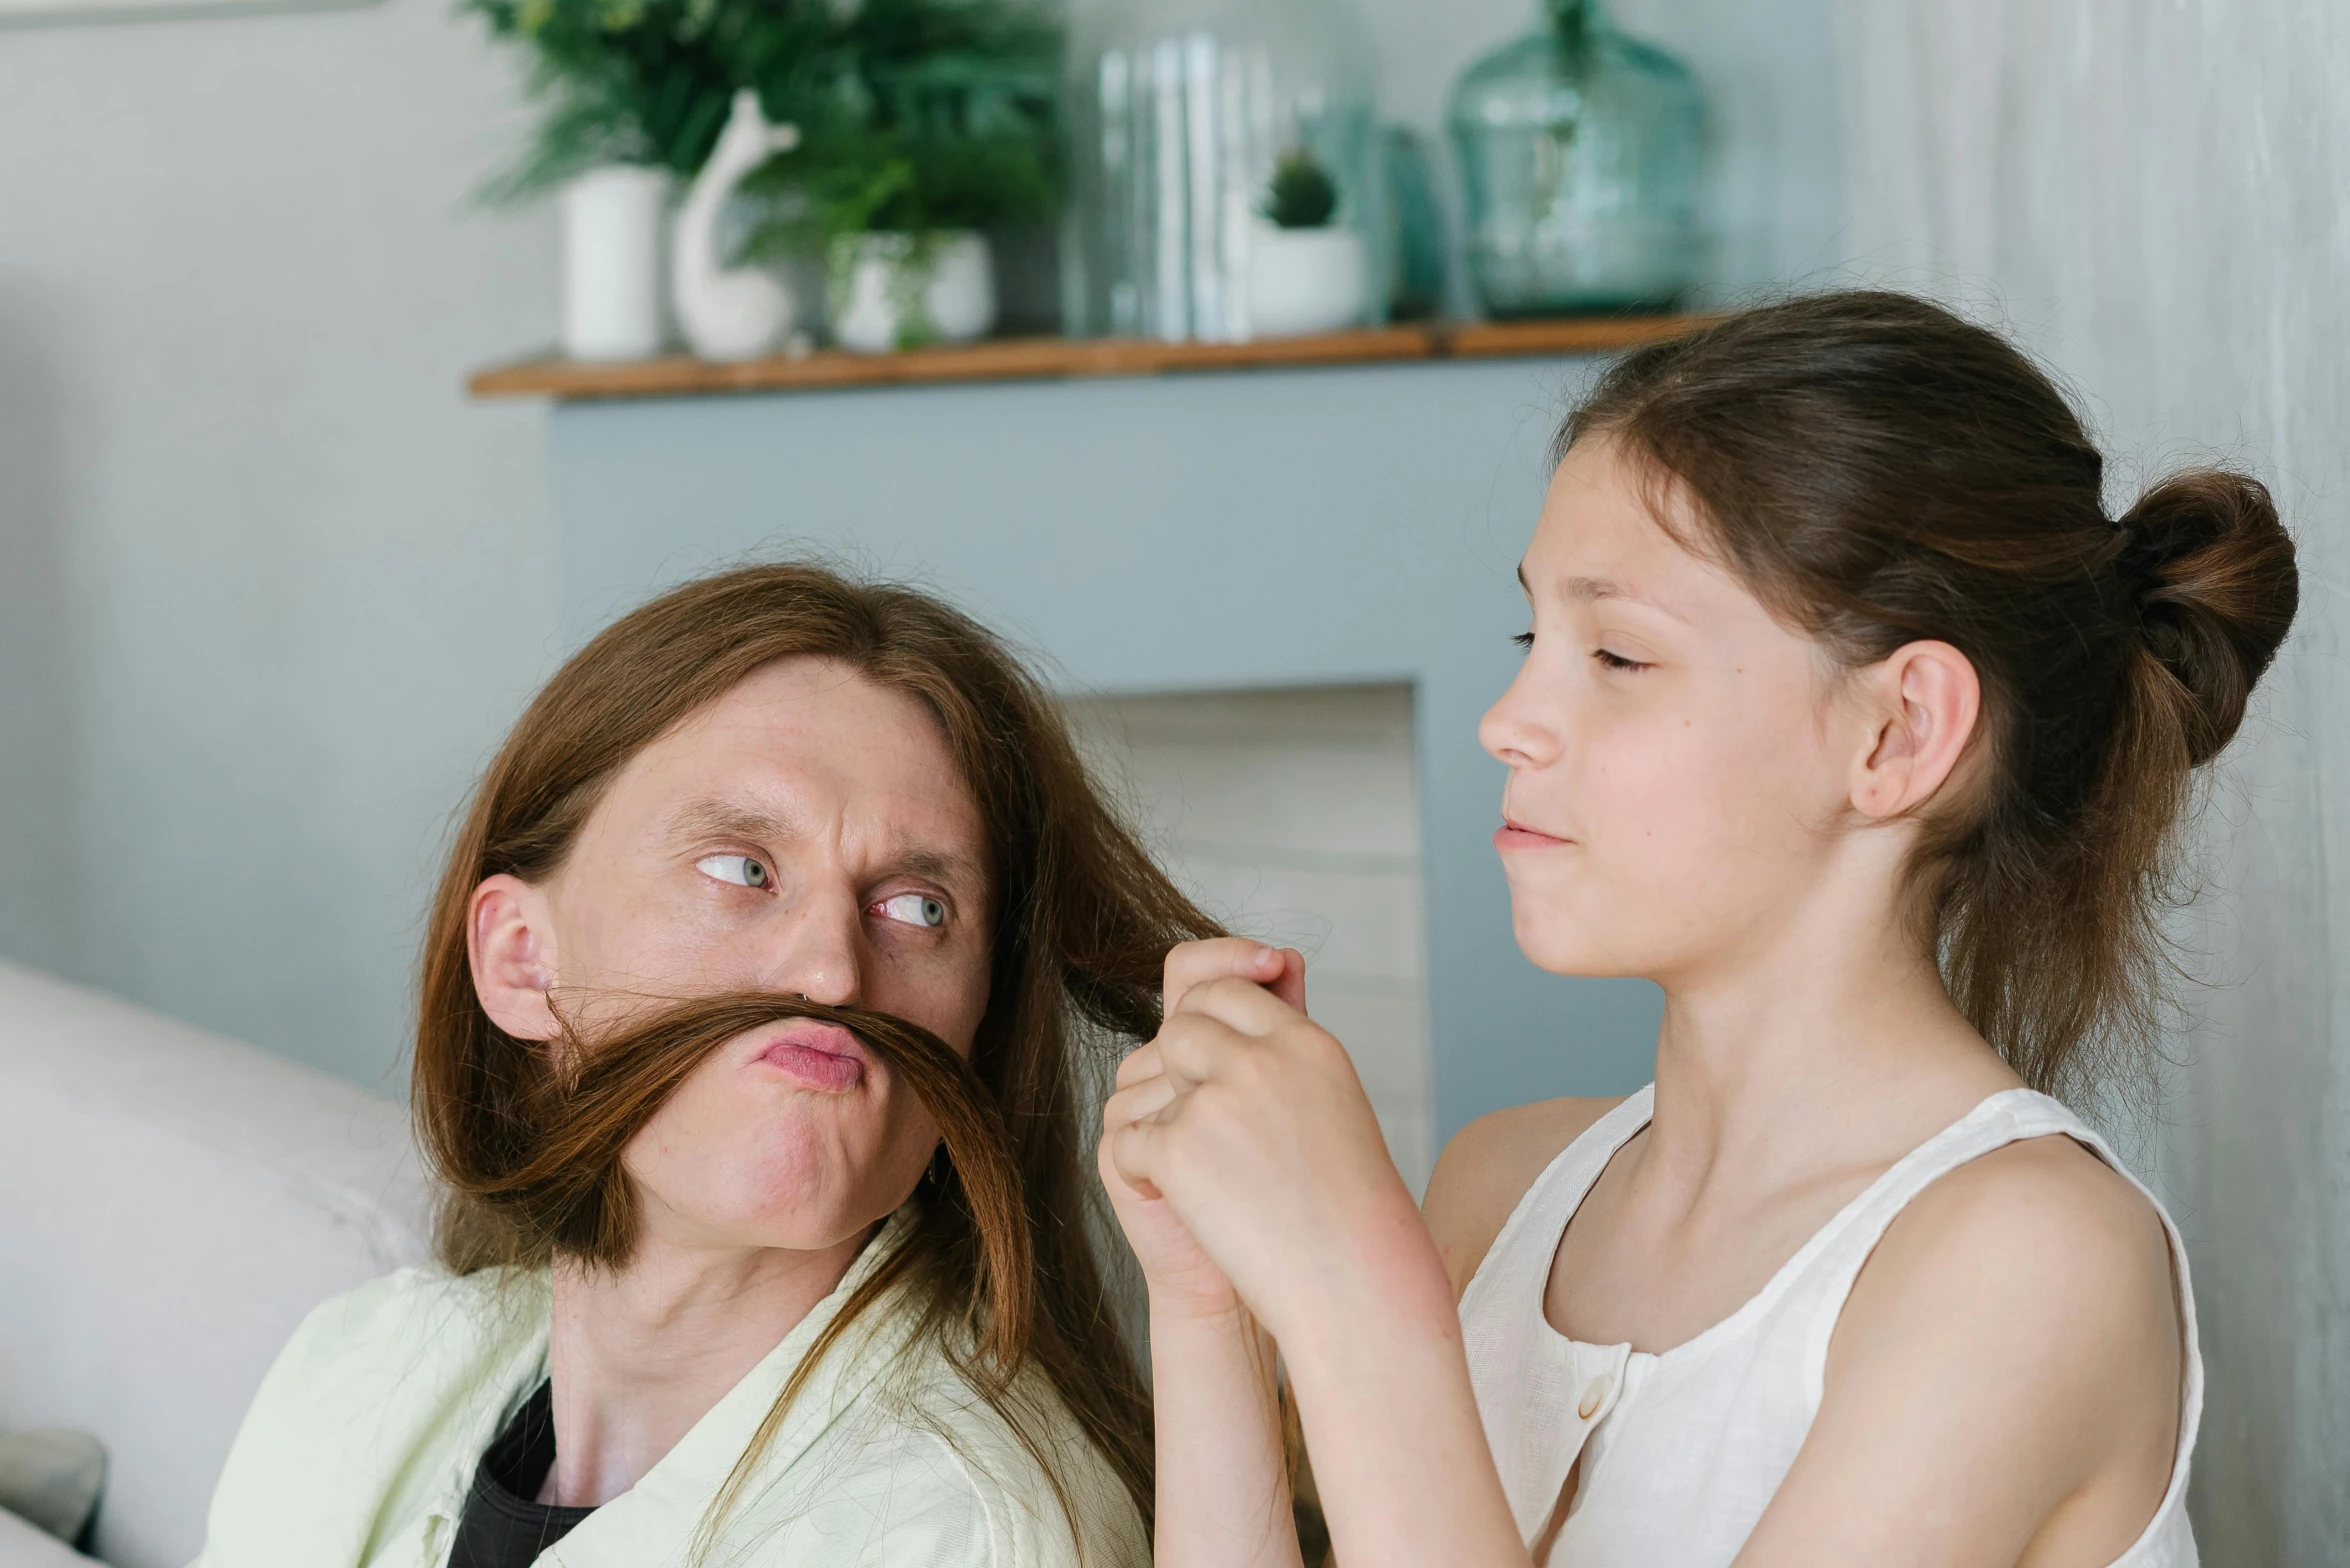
807,834
1850,718
745,1056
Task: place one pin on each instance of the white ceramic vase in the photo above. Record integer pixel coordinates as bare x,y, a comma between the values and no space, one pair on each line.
892,291
1306,280
728,313
612,262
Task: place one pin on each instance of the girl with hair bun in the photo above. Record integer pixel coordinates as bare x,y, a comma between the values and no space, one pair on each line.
1852,719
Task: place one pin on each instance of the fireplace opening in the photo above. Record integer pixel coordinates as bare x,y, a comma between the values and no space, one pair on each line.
1293,816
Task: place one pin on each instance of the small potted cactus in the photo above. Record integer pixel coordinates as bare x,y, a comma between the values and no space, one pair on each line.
1308,272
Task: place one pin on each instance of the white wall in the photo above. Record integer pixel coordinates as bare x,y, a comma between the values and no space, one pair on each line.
2158,196
268,585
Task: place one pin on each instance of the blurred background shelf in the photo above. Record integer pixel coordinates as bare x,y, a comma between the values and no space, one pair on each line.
1053,358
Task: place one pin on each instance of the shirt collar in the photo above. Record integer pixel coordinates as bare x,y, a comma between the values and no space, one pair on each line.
654,1520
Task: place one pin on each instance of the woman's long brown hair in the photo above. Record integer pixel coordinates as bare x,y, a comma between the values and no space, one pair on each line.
1001,1258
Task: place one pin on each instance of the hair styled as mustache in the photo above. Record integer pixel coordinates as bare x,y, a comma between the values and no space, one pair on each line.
556,1174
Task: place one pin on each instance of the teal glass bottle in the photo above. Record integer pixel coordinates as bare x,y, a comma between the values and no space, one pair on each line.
1580,159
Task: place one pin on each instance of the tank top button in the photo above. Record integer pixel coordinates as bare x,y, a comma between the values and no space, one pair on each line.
1594,1395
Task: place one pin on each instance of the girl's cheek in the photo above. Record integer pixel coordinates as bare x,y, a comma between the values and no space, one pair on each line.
1649,774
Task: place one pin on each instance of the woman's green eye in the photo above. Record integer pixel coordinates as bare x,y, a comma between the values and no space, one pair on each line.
741,870
915,909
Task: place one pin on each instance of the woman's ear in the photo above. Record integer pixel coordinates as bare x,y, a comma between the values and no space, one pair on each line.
508,937
1921,704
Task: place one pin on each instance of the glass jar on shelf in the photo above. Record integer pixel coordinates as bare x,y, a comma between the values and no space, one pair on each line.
1227,173
1580,159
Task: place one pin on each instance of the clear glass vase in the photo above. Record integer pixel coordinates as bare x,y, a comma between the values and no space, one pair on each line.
1181,112
1579,153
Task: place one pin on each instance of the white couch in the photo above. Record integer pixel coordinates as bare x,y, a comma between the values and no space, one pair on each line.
171,1204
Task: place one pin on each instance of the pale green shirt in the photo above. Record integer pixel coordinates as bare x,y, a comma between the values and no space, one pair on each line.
361,1447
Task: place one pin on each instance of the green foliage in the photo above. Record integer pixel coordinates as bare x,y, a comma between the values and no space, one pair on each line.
941,114
1303,196
914,115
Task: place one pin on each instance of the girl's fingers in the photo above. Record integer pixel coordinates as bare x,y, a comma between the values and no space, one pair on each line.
1193,1047
1138,1102
1237,1004
1132,1146
1290,984
1192,964
1140,1063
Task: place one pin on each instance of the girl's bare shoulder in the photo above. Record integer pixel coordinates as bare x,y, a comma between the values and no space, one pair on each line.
1486,1169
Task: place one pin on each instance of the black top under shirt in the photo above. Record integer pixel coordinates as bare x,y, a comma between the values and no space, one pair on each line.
501,1527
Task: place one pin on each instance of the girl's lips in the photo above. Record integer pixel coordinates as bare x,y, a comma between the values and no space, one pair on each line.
1510,836
817,1056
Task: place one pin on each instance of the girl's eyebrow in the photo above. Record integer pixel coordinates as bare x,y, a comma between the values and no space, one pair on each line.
1587,590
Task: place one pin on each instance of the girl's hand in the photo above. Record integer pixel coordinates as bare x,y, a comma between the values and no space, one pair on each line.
1181,1278
1245,1130
1248,1119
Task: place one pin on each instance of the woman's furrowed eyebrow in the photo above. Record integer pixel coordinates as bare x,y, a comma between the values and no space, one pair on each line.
957,872
708,819
726,819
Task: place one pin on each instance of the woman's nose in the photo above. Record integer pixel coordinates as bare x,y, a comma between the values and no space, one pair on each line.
820,953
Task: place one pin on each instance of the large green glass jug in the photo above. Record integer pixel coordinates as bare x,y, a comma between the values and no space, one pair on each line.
1580,161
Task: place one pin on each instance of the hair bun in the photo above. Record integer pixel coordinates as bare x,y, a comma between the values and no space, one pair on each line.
2216,587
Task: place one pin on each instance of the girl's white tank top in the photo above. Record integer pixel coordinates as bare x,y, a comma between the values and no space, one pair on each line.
1683,1449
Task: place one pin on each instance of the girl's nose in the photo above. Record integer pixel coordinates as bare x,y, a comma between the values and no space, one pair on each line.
1516,729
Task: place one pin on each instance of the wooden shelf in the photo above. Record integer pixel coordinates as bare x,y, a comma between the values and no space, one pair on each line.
1035,359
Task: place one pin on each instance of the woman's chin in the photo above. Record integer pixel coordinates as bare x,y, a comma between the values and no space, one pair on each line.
809,1205
811,1223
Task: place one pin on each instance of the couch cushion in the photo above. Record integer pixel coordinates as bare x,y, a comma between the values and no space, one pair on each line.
24,1545
171,1204
51,1478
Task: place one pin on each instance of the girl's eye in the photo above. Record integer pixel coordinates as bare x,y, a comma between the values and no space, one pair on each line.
741,870
914,909
1616,661
1524,640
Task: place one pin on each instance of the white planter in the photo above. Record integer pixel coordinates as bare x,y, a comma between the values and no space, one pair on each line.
1306,280
891,291
612,263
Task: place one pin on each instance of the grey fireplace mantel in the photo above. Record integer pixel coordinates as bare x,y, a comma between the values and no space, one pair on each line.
1261,528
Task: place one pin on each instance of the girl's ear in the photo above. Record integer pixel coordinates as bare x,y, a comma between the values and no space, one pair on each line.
1921,703
511,942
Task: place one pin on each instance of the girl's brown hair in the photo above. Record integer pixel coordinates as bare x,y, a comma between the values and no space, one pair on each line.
1879,471
1001,1260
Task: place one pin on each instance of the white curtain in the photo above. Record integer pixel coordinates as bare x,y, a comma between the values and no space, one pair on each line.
2156,195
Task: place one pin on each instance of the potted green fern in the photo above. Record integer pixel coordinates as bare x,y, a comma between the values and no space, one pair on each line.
922,124
937,124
